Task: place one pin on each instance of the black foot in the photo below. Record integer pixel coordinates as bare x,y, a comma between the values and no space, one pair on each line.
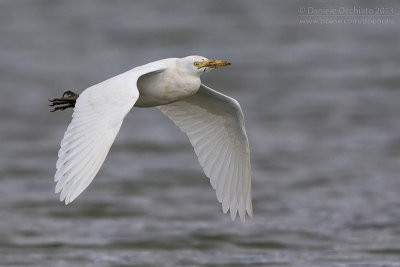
64,102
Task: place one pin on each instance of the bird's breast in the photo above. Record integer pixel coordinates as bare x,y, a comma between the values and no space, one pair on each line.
164,88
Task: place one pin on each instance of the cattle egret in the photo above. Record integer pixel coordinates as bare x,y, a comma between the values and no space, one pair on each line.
213,122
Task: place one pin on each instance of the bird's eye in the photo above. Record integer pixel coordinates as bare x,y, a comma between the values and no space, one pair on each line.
196,64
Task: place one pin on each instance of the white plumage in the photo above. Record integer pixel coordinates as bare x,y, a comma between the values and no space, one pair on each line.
213,122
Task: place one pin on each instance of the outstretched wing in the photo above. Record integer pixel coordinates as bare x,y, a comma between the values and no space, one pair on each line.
97,118
215,126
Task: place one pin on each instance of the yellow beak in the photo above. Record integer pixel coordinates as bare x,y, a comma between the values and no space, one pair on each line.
213,64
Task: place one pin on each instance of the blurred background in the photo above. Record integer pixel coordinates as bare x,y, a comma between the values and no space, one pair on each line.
321,98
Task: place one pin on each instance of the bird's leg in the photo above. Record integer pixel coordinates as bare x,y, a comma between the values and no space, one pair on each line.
67,100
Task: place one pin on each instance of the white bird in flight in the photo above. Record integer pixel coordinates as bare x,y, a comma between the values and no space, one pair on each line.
213,122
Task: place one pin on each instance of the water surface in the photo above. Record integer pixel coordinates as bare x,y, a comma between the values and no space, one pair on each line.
321,103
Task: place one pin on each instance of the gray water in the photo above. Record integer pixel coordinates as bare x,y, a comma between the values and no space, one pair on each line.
322,108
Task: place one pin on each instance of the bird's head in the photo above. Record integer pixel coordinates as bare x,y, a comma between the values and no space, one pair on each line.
199,64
